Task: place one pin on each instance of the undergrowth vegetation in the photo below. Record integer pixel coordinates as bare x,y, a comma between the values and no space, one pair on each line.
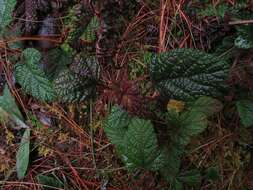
126,94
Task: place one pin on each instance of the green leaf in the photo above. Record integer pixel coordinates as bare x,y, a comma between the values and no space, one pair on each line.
141,147
22,157
177,185
49,182
206,105
185,74
218,11
212,173
89,34
116,126
32,78
57,60
8,105
181,129
72,88
6,9
245,109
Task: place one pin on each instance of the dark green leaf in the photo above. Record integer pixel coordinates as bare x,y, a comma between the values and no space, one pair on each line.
49,182
72,88
22,157
212,173
245,109
185,74
32,78
206,105
116,126
141,148
6,9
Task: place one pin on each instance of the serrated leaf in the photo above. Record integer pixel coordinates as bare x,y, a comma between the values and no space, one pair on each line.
116,126
22,157
206,105
89,34
245,110
85,66
6,9
72,88
56,60
193,123
49,182
32,78
140,144
185,74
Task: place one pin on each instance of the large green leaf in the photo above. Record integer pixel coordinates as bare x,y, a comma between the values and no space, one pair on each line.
116,126
184,74
245,109
134,139
32,78
140,144
6,8
22,157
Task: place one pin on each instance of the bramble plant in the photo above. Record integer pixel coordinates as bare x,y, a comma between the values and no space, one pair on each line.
165,87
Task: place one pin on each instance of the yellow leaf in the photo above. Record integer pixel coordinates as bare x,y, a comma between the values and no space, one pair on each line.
176,105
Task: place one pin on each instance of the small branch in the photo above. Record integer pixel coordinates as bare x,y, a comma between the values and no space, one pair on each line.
238,22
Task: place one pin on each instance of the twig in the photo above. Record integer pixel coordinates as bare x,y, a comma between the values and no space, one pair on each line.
238,22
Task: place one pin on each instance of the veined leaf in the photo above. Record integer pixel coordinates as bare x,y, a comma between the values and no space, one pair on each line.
184,74
89,34
32,78
116,126
245,109
135,139
22,157
206,105
6,9
140,144
72,88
